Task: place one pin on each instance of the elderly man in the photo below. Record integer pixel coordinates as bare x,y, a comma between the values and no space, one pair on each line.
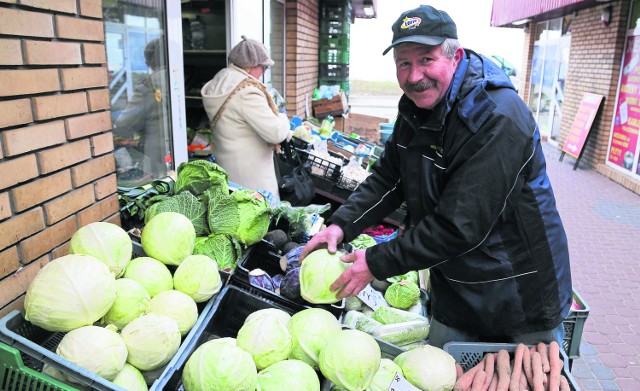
465,156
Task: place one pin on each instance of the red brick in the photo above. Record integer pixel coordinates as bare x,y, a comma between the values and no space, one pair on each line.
91,8
20,226
94,53
10,52
16,285
60,105
114,219
31,138
25,23
54,159
66,6
68,204
105,187
92,170
52,53
102,144
15,112
40,190
15,305
18,170
61,250
28,81
98,99
9,261
5,206
46,240
83,78
99,211
87,125
81,29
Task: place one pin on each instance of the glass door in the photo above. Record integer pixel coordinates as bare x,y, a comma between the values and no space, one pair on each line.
145,88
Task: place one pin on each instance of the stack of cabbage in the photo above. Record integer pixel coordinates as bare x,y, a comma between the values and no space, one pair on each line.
145,310
223,222
274,351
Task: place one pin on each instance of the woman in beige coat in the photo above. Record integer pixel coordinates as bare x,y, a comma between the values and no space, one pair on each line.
245,121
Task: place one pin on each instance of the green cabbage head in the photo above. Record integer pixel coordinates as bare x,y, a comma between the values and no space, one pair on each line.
254,214
152,274
132,300
178,306
220,365
429,368
384,375
310,329
98,350
168,237
105,241
350,359
151,340
318,271
198,277
402,294
130,379
70,292
288,375
266,338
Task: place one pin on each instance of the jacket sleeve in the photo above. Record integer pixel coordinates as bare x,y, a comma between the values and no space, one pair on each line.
483,178
375,198
272,128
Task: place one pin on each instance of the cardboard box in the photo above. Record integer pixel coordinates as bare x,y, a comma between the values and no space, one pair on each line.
335,106
365,126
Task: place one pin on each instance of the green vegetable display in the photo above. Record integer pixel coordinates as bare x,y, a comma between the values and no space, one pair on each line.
409,276
151,341
107,242
168,237
402,294
390,315
96,349
80,288
220,365
198,277
132,301
318,271
186,204
362,241
197,176
224,249
177,306
288,375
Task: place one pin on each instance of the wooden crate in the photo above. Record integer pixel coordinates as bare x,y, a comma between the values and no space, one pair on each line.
365,126
335,106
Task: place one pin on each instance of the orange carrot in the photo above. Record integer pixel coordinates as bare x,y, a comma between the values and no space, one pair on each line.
478,380
526,365
463,383
493,386
503,368
538,374
555,366
489,368
523,380
544,356
459,371
514,384
564,384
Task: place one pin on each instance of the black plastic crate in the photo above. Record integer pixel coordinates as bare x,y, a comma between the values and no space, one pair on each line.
230,310
334,71
335,26
322,167
262,256
335,10
335,41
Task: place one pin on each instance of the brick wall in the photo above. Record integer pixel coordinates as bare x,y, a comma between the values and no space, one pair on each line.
302,54
57,171
594,66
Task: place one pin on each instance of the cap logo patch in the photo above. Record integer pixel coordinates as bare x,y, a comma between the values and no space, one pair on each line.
410,23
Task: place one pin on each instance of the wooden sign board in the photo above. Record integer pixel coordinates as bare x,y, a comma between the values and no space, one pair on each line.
581,126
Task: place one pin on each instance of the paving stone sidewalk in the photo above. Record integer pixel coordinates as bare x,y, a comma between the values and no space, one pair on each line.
602,220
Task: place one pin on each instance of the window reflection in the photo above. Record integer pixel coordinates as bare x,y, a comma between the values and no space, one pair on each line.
138,80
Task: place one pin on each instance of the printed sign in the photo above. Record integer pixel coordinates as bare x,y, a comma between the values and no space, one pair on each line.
582,124
624,137
372,297
399,383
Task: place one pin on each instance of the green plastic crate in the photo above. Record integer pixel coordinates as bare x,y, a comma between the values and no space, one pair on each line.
573,327
334,41
14,375
334,56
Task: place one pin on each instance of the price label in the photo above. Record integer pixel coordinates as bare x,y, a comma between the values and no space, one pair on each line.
399,383
372,297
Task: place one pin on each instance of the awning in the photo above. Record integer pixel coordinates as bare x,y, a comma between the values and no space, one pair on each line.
516,13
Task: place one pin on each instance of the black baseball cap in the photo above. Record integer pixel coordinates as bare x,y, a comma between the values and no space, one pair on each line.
425,25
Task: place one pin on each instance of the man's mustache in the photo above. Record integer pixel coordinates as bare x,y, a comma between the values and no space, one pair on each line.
420,86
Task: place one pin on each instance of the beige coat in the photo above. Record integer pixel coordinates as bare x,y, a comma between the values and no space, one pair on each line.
245,135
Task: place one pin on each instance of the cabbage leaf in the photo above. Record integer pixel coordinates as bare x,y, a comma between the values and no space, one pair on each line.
225,250
197,176
186,204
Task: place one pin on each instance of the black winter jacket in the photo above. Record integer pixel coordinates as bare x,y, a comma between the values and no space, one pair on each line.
481,211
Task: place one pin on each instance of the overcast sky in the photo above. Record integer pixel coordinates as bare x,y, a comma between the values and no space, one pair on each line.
369,37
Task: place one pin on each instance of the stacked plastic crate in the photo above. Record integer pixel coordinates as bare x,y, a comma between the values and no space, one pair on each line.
335,24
